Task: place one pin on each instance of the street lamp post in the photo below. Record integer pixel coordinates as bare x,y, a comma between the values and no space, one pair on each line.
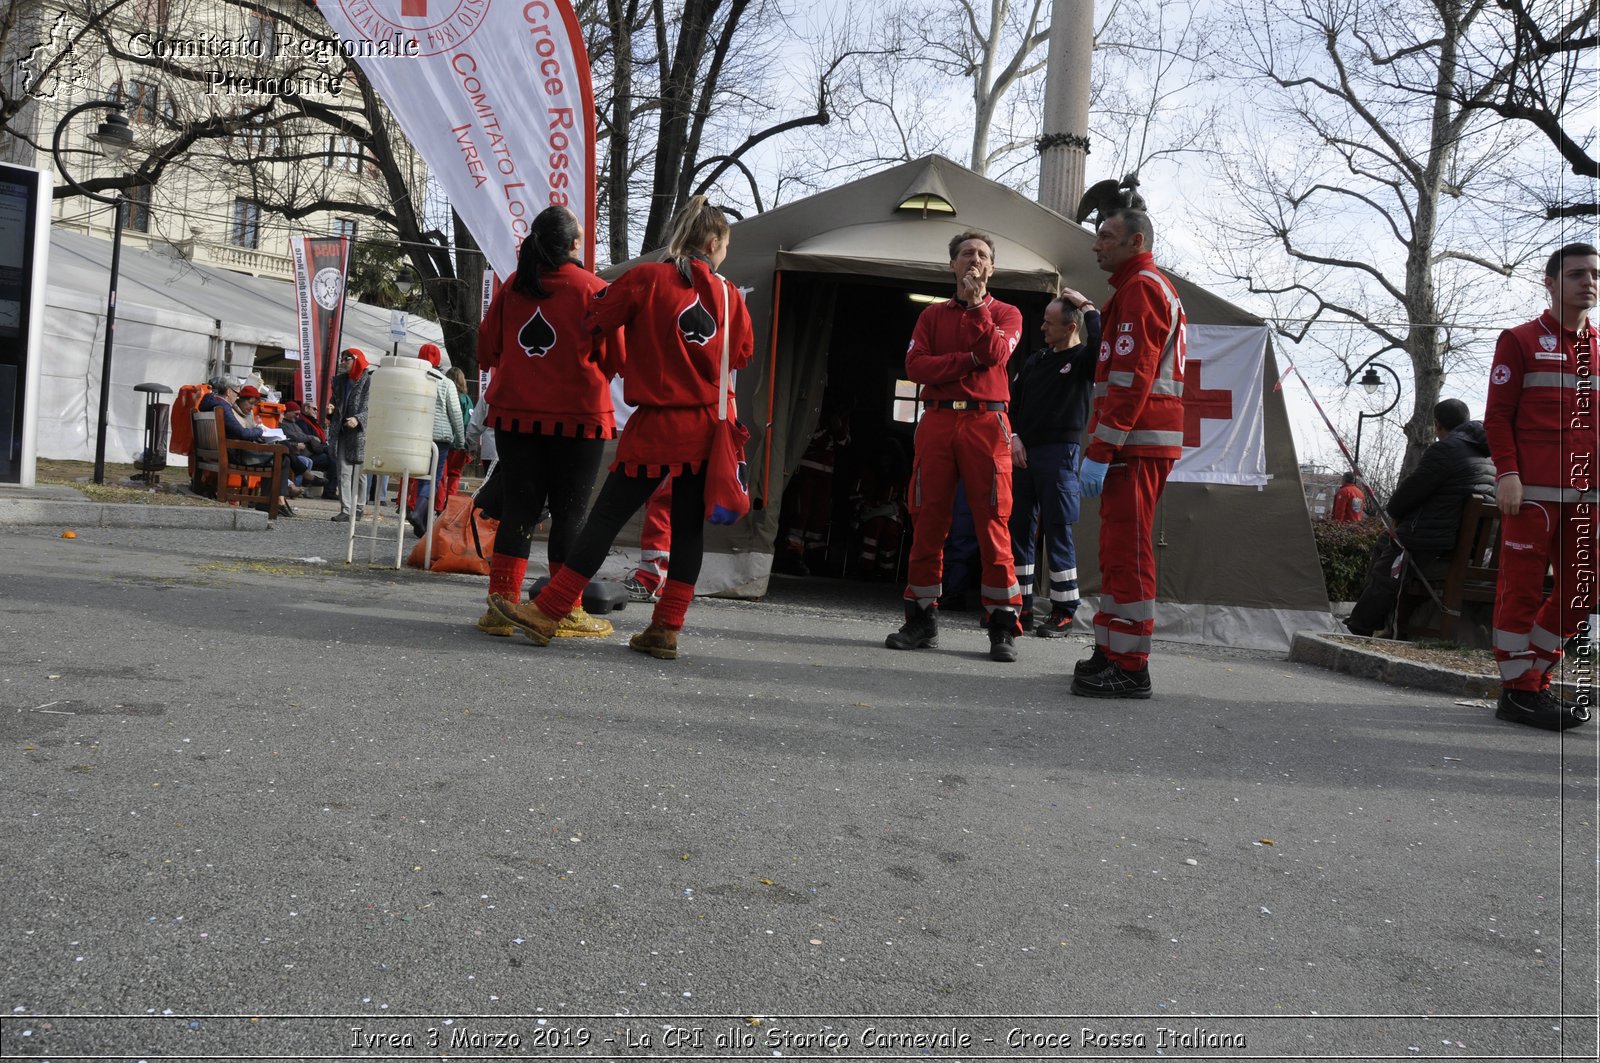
1371,381
115,136
403,282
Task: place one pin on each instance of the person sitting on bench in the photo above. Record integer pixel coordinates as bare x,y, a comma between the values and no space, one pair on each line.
232,401
1426,509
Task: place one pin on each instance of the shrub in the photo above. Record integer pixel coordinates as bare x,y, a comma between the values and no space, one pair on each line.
1345,550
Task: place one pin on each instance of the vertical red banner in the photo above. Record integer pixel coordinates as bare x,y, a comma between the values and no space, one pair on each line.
321,267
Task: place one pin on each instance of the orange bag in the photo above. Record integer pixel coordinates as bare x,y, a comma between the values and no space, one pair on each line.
463,540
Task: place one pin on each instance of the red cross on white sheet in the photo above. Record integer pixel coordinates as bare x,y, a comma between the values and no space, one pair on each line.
1200,404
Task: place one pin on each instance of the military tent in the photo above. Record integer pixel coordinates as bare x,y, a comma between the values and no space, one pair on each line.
835,282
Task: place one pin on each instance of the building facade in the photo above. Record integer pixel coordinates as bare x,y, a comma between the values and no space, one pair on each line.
264,121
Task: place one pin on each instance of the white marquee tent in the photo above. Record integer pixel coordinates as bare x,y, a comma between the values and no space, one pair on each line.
178,323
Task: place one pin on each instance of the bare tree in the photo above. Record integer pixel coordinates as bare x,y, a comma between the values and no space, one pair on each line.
1364,201
1533,62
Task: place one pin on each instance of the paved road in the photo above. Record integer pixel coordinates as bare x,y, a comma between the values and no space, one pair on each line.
241,787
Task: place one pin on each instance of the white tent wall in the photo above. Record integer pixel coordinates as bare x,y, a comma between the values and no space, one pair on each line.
151,345
177,323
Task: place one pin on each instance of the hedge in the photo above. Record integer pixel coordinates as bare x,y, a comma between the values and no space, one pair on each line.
1345,551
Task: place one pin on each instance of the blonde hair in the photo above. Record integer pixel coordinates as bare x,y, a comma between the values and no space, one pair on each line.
696,225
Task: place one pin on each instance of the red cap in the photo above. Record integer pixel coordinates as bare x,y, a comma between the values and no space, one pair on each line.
291,407
249,391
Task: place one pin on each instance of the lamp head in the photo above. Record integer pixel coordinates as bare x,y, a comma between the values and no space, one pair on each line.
1371,380
404,282
115,135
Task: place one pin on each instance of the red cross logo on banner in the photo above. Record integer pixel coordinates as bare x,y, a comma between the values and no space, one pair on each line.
414,8
1200,404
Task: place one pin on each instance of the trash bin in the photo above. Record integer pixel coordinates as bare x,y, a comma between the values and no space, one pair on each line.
157,424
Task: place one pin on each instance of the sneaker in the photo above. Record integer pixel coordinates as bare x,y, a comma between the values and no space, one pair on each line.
638,592
1056,626
1113,681
1539,708
491,623
657,641
1093,664
1003,635
539,629
340,516
919,632
580,625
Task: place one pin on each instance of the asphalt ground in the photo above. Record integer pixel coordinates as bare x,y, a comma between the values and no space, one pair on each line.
260,803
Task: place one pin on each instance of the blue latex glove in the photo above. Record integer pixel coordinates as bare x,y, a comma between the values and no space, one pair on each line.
1092,478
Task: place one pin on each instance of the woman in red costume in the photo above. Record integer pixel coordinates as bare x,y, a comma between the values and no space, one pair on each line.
550,407
672,314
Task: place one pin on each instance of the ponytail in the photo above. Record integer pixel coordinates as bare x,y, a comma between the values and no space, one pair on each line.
546,248
694,227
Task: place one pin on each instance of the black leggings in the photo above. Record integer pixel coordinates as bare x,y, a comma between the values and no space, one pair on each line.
622,497
558,471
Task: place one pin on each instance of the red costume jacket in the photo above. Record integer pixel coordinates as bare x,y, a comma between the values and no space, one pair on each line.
551,373
960,352
1540,416
1138,380
674,340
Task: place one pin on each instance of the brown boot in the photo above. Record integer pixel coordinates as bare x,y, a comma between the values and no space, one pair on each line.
527,618
659,642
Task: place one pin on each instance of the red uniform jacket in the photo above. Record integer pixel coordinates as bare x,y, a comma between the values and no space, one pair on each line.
1349,504
1138,380
960,352
1539,420
674,339
551,373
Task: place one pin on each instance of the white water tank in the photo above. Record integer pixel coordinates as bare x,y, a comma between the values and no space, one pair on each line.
400,417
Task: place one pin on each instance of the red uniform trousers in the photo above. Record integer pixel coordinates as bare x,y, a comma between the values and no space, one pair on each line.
811,497
655,539
1127,616
974,447
1530,629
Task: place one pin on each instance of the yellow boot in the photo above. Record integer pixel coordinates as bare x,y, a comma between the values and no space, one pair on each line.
491,624
580,625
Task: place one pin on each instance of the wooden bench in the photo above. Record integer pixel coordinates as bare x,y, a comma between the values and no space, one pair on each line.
1467,577
235,481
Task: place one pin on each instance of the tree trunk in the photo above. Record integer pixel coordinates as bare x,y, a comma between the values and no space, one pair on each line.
617,198
677,103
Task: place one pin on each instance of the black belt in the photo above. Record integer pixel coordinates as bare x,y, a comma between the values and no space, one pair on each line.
968,404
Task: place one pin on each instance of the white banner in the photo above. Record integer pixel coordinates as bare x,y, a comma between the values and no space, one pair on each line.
1224,434
495,95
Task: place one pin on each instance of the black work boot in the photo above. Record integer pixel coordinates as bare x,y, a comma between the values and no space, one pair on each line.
919,632
1002,635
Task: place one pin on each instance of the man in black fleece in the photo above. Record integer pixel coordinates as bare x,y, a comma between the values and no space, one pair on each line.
1049,407
1426,509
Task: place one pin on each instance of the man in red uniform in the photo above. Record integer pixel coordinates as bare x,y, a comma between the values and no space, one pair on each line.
958,354
1135,436
1543,436
1349,502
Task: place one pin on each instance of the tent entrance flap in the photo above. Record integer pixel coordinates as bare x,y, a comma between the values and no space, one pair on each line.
845,419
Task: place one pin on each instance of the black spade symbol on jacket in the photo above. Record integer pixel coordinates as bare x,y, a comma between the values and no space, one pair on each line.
537,337
697,324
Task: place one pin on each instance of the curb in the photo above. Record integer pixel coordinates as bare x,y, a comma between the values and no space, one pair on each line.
1313,648
17,512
